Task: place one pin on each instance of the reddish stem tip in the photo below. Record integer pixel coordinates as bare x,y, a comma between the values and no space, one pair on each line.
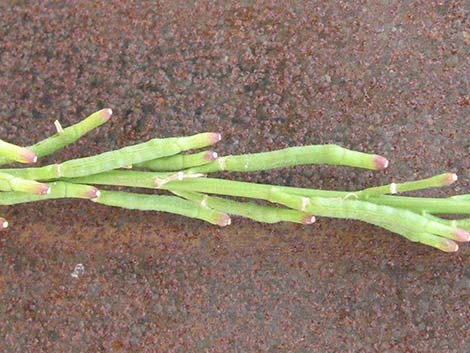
462,235
105,114
210,156
43,189
380,162
450,178
27,156
215,137
93,193
450,246
224,220
308,219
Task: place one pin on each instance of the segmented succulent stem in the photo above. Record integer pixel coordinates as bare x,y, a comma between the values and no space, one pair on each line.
406,223
395,188
66,136
58,190
141,179
161,203
315,154
184,175
120,158
463,223
260,213
178,162
447,205
11,183
16,153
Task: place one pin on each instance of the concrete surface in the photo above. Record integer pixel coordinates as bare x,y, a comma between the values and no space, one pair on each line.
389,77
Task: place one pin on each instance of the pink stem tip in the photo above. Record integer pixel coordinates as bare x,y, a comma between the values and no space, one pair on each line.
449,245
105,114
211,156
93,193
462,235
26,156
450,178
215,137
380,162
224,220
308,220
3,223
42,189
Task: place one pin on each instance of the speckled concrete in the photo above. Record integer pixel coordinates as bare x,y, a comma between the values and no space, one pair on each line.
388,77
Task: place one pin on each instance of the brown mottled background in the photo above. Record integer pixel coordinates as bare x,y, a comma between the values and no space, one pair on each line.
390,77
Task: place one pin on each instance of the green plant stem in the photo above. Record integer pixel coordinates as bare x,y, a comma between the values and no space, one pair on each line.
260,213
128,200
58,190
446,205
16,153
151,180
117,159
464,197
161,203
178,162
11,183
410,225
67,136
394,188
463,223
261,191
315,154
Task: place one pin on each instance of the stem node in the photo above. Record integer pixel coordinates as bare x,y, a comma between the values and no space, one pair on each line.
58,127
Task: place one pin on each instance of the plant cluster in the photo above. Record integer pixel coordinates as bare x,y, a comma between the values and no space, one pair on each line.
162,164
